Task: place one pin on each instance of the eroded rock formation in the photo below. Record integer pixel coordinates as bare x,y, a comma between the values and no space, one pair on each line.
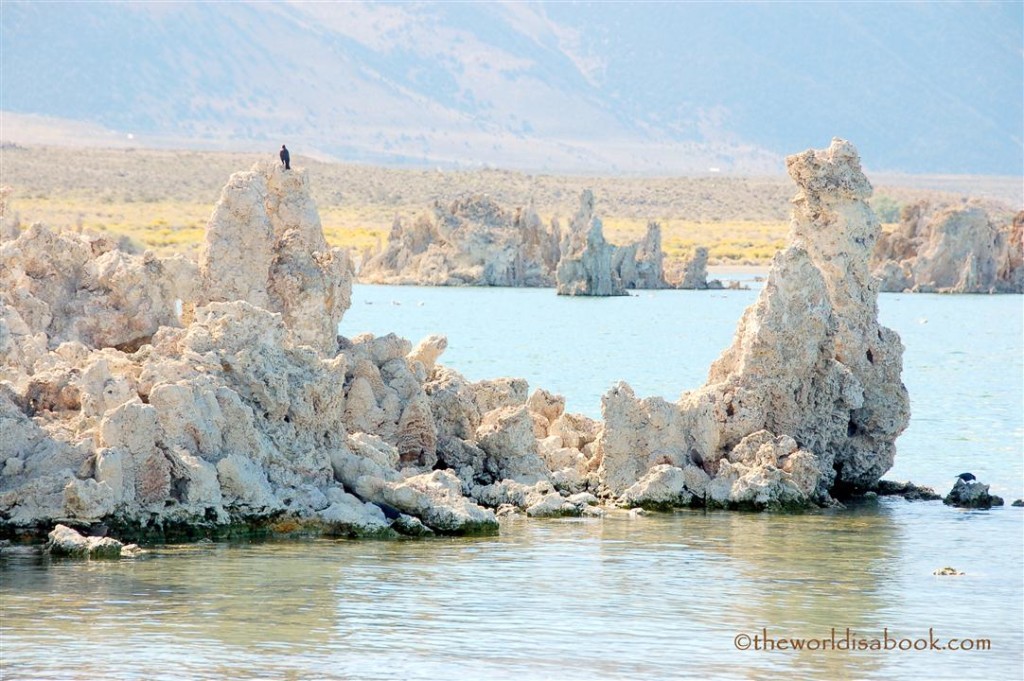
112,410
693,274
264,245
586,266
83,287
808,399
642,265
471,242
951,249
250,414
475,242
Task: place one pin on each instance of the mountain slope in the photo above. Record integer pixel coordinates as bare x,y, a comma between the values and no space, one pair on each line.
673,87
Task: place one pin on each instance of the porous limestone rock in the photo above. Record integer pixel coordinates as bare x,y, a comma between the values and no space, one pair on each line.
471,241
642,265
82,287
950,249
264,245
435,498
971,494
348,516
506,435
538,500
545,408
428,350
809,364
255,409
64,541
1010,275
585,267
665,486
590,266
8,228
694,274
246,413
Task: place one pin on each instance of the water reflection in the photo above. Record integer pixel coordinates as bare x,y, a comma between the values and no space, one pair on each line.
656,597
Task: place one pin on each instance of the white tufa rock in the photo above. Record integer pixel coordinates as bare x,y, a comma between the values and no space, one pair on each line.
264,245
952,249
471,242
809,361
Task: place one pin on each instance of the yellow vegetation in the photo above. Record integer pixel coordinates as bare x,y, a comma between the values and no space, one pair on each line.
162,199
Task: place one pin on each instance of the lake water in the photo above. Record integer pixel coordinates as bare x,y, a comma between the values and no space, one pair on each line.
660,597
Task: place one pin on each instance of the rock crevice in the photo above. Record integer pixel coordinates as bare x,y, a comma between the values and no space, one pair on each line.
251,411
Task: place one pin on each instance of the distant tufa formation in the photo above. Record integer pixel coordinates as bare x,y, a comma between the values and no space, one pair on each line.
472,241
250,413
951,249
475,242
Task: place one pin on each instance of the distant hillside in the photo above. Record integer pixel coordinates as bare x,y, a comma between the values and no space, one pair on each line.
603,87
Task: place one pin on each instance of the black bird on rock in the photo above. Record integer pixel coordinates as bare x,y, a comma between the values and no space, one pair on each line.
967,477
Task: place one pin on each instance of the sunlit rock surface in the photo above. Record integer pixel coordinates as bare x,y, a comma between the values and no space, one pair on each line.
952,249
809,364
83,288
251,412
264,245
470,242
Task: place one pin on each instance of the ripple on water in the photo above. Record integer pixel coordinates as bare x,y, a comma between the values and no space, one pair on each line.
657,597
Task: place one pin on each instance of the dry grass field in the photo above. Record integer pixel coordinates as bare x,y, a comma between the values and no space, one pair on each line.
162,199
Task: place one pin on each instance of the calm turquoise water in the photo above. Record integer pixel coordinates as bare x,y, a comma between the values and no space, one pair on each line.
615,598
963,366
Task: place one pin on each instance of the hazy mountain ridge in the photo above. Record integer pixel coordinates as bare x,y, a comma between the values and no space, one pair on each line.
590,87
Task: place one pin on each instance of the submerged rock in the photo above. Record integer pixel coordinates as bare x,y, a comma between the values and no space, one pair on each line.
948,572
907,490
971,494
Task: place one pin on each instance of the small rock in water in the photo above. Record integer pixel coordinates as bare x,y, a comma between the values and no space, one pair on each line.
410,526
948,572
131,551
1019,503
971,494
64,541
907,490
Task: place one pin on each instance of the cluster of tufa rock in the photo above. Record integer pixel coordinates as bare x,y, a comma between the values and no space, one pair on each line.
472,241
808,399
951,249
250,411
475,242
